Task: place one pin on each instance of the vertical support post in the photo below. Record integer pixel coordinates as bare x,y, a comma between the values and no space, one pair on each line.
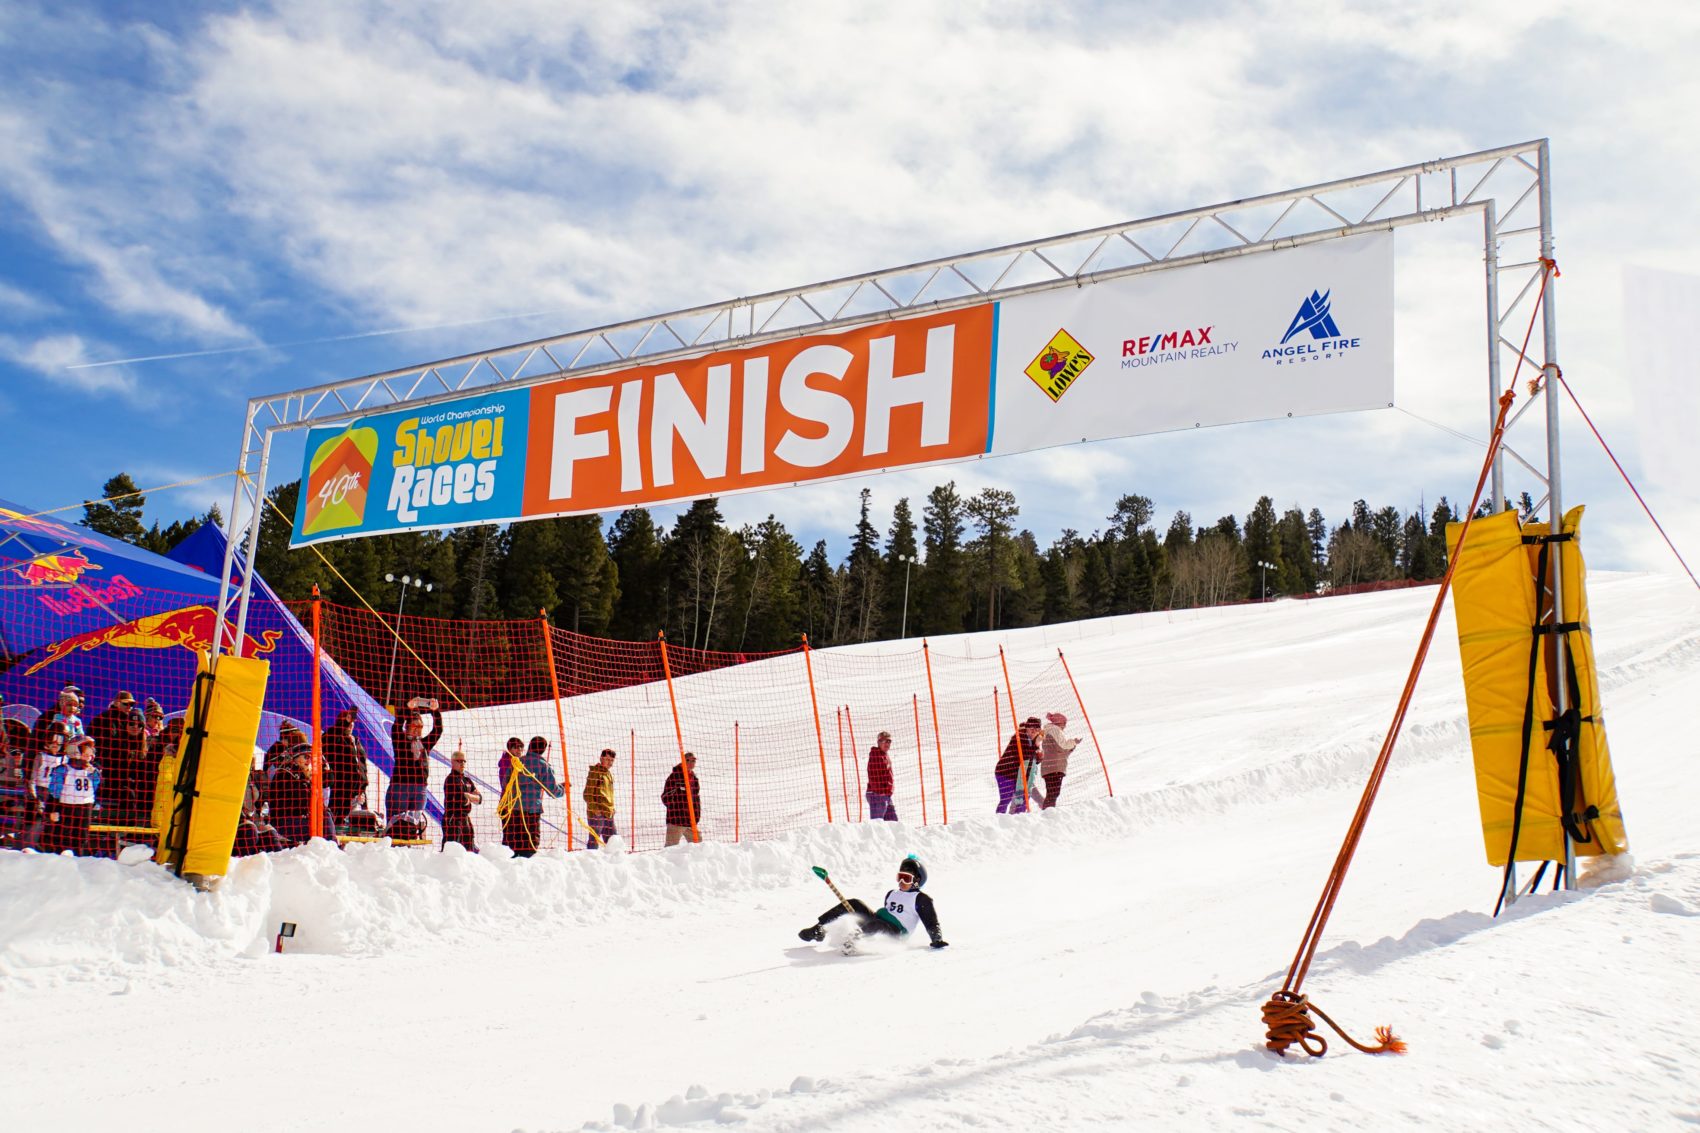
1015,720
920,767
231,536
560,722
938,743
631,819
855,762
316,816
679,734
1093,732
1555,471
253,546
1496,381
737,791
820,739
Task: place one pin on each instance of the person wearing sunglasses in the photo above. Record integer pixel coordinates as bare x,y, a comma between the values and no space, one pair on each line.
904,909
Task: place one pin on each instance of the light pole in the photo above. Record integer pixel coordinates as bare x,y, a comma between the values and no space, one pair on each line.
417,584
1263,570
907,561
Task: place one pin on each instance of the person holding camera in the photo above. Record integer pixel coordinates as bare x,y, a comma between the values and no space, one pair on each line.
412,746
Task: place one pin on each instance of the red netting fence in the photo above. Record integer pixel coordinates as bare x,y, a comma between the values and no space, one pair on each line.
523,733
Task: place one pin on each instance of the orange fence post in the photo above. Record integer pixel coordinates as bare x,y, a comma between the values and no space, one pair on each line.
1090,730
843,779
560,725
737,796
820,739
1015,720
316,817
920,767
631,815
938,744
679,732
856,762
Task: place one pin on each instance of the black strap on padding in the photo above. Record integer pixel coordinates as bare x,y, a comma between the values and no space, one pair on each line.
1528,721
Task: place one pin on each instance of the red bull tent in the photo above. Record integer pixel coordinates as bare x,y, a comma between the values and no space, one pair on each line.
79,608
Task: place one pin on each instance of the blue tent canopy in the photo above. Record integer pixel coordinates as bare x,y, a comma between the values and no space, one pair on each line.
77,607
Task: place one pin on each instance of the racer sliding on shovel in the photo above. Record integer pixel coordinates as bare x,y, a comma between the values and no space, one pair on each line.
904,908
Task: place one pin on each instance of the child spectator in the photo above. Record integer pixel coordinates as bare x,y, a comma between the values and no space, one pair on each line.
1054,750
599,800
460,795
50,738
74,786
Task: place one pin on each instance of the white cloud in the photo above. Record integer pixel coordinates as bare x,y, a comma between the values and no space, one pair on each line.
52,356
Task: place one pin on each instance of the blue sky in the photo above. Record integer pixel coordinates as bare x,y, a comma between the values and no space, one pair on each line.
190,178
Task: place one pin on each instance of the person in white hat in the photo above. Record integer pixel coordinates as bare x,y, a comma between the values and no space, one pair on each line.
1054,749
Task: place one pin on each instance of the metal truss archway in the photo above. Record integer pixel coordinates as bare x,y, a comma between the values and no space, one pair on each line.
1509,187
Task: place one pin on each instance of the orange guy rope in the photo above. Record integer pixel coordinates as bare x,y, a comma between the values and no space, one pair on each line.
1559,374
737,796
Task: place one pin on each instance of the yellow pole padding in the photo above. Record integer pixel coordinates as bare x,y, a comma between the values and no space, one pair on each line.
227,756
1494,603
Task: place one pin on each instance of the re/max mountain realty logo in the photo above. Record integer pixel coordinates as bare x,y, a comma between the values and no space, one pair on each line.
1315,317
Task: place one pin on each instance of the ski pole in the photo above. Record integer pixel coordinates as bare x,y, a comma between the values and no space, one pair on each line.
821,873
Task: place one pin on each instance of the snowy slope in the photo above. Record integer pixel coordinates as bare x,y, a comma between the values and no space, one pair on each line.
1108,959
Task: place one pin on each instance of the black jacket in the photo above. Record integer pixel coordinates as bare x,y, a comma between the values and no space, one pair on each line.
413,770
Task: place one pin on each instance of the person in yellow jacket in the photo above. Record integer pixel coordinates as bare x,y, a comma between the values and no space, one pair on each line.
599,799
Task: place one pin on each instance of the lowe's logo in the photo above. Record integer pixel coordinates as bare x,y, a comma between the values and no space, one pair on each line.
1325,342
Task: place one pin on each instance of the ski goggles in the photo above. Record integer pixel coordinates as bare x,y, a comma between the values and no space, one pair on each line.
909,877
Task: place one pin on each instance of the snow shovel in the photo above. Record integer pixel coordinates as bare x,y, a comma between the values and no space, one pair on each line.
821,873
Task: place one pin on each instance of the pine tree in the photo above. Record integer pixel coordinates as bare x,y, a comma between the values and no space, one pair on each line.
1298,573
993,512
634,543
773,601
1318,528
941,604
119,513
1262,546
588,581
1180,532
864,574
1438,519
816,588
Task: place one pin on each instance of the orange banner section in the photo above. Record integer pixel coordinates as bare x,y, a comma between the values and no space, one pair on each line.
900,393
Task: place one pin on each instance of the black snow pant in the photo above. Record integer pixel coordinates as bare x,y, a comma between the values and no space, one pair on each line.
866,919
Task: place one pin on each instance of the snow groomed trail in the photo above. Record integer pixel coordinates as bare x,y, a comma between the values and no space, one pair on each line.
1107,960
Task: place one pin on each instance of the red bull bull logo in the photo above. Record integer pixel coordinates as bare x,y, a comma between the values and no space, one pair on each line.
48,570
192,627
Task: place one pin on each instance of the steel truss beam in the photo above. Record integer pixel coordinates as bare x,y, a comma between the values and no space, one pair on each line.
1510,187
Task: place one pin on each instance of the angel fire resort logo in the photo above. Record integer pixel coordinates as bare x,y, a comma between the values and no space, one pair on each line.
1061,361
1318,335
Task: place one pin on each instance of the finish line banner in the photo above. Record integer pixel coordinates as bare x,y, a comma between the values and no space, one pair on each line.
1280,334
